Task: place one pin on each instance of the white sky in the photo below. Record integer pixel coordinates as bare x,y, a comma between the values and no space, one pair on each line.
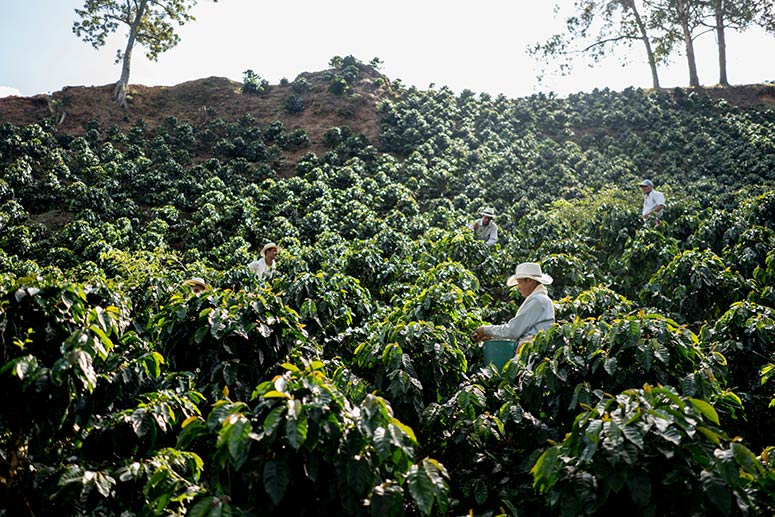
479,45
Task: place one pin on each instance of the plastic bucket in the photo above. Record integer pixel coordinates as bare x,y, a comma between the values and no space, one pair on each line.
498,352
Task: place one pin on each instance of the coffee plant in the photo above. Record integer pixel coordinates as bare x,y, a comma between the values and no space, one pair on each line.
346,382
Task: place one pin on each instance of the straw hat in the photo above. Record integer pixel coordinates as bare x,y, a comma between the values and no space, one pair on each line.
197,284
529,270
489,212
268,247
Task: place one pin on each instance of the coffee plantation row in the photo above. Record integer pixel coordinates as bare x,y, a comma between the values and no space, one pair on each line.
347,383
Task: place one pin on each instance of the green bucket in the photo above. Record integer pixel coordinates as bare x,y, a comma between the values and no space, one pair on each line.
498,352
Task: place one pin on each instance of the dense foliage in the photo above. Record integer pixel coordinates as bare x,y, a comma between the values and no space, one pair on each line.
346,383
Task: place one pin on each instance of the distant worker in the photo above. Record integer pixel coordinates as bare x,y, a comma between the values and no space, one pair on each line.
485,228
267,261
653,202
536,312
198,285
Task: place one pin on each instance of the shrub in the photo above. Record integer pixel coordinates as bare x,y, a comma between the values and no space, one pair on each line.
301,85
254,84
232,338
652,451
294,104
745,337
338,86
300,434
695,286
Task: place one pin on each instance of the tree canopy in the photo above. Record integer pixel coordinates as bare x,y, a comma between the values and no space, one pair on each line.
150,24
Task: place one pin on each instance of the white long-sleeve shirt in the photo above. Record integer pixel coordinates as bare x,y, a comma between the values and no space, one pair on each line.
486,232
260,268
536,313
652,200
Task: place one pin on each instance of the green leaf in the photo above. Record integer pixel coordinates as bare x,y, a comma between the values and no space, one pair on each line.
717,491
192,428
84,362
296,424
747,459
273,419
236,432
545,470
72,474
706,409
480,491
421,489
103,482
709,434
727,466
104,339
21,366
274,394
200,334
404,428
689,385
141,421
610,366
276,479
671,434
634,433
381,442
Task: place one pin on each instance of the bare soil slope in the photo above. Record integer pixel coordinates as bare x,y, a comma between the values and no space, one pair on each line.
198,101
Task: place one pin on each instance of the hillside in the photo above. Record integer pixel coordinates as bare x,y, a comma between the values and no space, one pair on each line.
196,102
348,379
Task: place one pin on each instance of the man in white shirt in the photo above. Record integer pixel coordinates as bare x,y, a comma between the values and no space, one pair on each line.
267,261
535,314
485,228
653,202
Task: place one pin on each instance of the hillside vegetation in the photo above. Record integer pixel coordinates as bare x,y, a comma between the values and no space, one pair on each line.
347,383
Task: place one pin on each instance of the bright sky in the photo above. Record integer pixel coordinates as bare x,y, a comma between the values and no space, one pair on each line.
460,44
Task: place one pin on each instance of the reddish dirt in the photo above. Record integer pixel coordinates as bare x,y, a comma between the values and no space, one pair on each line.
747,96
198,101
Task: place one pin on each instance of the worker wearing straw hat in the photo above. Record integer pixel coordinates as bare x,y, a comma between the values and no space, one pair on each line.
485,228
267,261
197,285
535,314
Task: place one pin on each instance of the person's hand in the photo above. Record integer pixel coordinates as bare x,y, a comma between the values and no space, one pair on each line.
476,225
478,334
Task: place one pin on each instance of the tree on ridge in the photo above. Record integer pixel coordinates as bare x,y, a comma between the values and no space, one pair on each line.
595,30
151,24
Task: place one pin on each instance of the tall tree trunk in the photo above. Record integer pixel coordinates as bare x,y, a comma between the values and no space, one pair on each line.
119,92
722,44
682,7
630,4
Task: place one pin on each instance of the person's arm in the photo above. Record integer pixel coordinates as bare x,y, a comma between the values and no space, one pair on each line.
655,209
493,235
527,316
659,200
